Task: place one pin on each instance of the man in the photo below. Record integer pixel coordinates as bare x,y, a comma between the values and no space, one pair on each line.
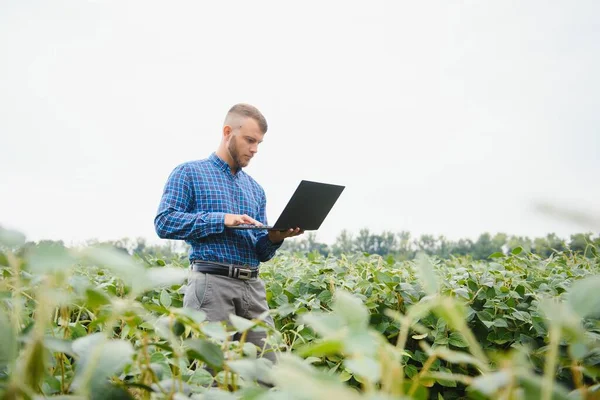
201,201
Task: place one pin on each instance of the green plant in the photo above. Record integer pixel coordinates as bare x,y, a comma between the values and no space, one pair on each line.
94,322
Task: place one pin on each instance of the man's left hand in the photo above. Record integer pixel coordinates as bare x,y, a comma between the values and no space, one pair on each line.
278,236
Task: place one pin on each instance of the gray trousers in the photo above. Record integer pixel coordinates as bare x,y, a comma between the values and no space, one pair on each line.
218,296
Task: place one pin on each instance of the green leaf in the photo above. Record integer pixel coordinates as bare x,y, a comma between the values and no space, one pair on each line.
294,376
420,394
500,337
497,254
521,316
484,316
197,316
491,383
351,309
99,359
257,369
456,339
583,297
109,391
158,278
321,348
250,350
517,250
95,298
446,382
215,330
77,331
532,385
163,326
561,314
344,376
462,292
201,377
426,274
500,323
411,371
325,296
53,383
323,324
441,340
165,298
59,345
361,342
158,357
578,351
494,266
178,328
452,312
312,360
456,357
365,367
206,351
383,277
240,324
34,363
158,369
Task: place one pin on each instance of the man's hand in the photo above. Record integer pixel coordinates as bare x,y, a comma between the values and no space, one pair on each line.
278,236
235,220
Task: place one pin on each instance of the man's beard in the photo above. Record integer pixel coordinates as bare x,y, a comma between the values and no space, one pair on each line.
235,155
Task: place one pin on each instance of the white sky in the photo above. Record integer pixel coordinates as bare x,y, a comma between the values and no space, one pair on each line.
440,117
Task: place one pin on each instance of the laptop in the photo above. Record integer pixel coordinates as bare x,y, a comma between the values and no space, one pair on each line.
306,209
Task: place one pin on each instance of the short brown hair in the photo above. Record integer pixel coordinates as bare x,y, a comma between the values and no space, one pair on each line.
249,111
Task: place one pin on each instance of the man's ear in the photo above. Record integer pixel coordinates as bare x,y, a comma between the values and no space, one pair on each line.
226,131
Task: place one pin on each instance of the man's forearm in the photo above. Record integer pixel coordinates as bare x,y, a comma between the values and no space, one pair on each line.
179,225
265,249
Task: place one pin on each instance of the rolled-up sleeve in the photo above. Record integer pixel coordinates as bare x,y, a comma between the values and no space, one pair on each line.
176,218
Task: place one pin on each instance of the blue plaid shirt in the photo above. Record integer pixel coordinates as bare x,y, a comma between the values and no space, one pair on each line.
196,198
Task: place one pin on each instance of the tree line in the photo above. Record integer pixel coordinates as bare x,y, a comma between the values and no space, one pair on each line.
403,245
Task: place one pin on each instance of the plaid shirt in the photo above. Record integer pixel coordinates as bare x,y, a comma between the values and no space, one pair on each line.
196,198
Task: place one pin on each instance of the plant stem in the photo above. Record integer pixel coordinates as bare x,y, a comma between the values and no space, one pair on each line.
16,303
147,360
578,377
550,364
426,366
243,341
400,345
460,325
390,368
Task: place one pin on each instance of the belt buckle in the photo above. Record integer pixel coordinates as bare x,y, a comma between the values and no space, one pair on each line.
244,273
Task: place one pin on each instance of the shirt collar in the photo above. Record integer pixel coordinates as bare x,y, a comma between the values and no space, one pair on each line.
222,164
